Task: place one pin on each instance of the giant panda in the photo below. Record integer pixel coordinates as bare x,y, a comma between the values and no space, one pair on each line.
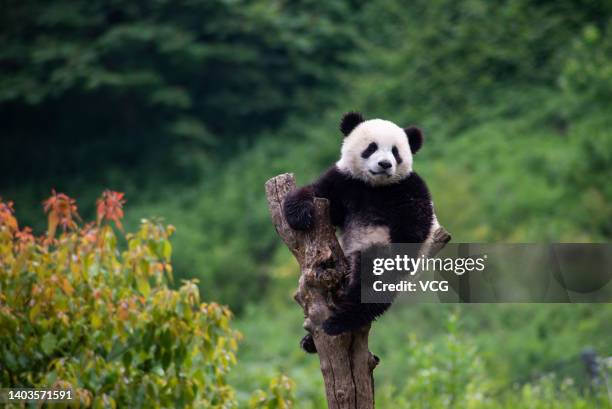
375,199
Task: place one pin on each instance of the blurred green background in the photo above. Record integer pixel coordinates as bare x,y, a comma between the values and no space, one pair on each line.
190,106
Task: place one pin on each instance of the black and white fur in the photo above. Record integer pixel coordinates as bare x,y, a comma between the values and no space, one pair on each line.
375,199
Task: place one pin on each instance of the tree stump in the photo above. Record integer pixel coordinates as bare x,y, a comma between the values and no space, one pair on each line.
346,363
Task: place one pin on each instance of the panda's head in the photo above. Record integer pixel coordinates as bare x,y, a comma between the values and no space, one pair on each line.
377,151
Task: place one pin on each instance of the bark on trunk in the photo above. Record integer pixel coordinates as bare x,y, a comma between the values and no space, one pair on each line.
346,363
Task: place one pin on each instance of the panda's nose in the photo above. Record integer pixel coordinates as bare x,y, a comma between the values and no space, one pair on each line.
385,164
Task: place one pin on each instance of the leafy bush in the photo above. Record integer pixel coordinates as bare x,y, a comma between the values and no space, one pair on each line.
477,356
77,311
278,397
452,374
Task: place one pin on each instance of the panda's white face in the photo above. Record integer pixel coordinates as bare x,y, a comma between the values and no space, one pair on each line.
377,152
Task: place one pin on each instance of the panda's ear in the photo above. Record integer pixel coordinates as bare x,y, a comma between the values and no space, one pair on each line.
349,121
415,138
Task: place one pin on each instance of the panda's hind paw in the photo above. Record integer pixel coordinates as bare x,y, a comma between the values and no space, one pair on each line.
308,345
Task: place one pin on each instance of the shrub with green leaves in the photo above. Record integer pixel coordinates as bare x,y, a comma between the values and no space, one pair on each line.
77,311
453,374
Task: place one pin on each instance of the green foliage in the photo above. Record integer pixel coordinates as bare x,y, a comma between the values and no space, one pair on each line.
157,86
587,72
278,397
452,374
445,356
456,66
513,98
190,106
79,312
167,54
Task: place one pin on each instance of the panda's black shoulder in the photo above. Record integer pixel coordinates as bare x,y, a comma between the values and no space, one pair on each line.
331,182
416,187
333,174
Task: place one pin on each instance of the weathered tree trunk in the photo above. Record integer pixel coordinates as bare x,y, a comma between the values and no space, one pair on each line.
346,363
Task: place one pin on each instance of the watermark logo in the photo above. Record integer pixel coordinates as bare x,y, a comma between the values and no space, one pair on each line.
491,273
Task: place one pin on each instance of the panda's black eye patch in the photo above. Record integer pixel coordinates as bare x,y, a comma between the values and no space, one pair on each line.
369,150
396,154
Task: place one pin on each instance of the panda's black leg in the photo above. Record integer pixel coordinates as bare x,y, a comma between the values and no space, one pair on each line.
353,317
308,345
298,208
350,314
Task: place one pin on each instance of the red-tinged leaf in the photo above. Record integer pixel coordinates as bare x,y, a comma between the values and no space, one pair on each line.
62,211
110,207
7,217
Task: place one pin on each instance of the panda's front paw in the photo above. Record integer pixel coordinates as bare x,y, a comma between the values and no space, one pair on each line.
299,209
